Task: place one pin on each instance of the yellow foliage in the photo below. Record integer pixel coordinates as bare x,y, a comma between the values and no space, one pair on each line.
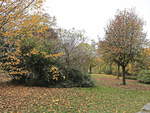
34,51
14,19
19,72
55,55
55,72
147,51
13,61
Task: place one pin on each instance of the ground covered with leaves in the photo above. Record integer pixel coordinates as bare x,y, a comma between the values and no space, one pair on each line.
107,97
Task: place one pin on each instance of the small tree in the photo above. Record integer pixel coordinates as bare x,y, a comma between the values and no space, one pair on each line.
124,38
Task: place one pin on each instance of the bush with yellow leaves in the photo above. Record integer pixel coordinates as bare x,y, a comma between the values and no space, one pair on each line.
26,63
12,62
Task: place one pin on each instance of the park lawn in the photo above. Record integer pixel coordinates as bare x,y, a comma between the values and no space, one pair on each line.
101,99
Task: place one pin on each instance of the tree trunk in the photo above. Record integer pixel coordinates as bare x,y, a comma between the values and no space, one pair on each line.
90,69
99,70
123,75
68,60
110,68
118,71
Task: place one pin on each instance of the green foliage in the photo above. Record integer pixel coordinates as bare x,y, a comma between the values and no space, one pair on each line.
39,68
132,77
144,76
41,64
79,79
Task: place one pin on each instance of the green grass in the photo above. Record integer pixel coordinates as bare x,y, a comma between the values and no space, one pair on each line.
100,99
96,100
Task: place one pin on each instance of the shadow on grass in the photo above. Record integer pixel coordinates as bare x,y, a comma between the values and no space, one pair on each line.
10,83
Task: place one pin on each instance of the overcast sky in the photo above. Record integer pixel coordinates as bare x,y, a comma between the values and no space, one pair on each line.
93,15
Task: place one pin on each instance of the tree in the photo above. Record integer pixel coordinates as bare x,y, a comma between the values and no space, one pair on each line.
124,38
77,53
23,28
93,57
142,62
14,13
106,57
69,41
85,57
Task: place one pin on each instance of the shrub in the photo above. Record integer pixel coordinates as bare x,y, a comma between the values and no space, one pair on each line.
42,65
144,76
26,64
78,78
12,61
131,77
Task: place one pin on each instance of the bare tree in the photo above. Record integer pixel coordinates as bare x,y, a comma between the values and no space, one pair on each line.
69,41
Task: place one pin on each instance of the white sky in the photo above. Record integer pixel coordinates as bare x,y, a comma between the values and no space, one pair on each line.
93,15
